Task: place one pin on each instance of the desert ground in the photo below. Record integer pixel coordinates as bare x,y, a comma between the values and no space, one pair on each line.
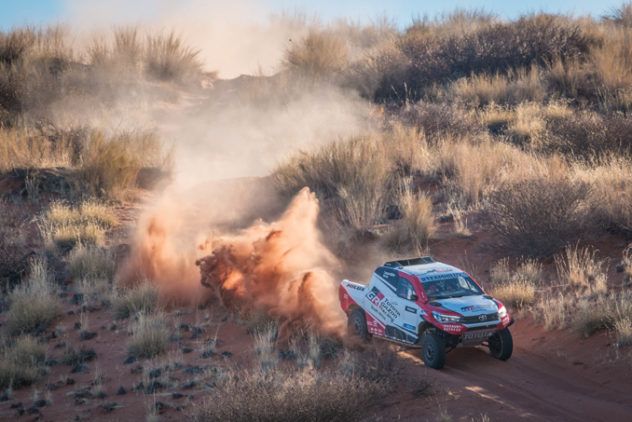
172,239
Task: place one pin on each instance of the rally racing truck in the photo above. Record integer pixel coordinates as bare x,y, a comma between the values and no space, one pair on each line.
423,303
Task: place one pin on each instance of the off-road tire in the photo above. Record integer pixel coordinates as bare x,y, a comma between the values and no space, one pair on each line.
356,324
501,344
433,350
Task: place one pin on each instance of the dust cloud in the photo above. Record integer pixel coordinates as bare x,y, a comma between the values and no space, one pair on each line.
253,249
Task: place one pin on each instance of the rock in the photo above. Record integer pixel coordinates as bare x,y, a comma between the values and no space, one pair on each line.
177,396
39,330
79,368
51,362
101,395
87,335
52,387
155,373
154,387
189,385
206,354
121,391
160,406
130,359
77,325
620,268
17,405
227,354
110,406
193,370
32,410
70,381
196,332
40,403
187,350
77,299
113,327
4,396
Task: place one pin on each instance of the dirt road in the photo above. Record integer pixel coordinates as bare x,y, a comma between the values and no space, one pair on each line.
552,376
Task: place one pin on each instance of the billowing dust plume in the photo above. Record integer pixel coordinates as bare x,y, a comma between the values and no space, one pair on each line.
281,268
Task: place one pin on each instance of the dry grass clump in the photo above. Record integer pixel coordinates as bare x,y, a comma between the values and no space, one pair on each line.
150,336
65,226
91,262
537,217
610,196
352,174
517,86
30,148
579,267
516,288
21,361
343,391
317,55
416,227
33,303
13,262
111,164
143,298
492,48
131,53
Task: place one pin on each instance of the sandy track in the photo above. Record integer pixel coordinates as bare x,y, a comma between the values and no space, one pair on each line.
540,382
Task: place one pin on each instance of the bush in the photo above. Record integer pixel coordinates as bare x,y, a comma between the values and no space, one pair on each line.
91,262
343,392
64,226
516,288
537,217
416,227
579,267
149,336
13,258
167,58
21,362
139,299
111,165
33,303
493,48
320,54
353,175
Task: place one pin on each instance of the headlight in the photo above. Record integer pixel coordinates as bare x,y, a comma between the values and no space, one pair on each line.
502,312
445,318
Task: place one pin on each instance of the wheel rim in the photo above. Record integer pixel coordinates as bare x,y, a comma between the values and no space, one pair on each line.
495,344
429,353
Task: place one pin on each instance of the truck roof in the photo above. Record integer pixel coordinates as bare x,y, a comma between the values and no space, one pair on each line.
424,268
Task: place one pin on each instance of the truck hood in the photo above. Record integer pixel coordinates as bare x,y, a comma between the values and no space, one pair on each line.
469,305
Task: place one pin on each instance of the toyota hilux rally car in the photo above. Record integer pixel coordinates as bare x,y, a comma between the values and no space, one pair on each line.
423,303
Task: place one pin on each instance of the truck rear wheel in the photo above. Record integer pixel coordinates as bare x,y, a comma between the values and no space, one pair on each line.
357,324
501,344
433,350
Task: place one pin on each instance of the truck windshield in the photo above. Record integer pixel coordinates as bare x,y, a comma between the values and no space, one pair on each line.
451,287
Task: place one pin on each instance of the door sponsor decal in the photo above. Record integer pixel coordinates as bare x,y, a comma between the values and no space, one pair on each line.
382,305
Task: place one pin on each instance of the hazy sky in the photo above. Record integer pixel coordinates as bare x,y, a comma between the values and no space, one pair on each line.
19,12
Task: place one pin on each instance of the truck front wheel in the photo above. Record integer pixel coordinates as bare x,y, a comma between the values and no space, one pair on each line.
433,350
357,324
501,344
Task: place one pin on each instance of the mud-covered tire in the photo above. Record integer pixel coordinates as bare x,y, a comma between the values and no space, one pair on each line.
501,344
433,350
356,324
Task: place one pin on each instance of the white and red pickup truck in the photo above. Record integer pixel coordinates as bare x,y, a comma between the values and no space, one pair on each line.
423,303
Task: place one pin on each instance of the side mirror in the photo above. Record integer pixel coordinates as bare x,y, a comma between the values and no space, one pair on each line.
413,297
